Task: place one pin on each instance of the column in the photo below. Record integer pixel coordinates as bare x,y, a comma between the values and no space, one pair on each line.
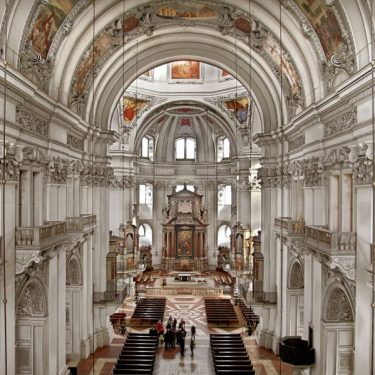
61,310
10,271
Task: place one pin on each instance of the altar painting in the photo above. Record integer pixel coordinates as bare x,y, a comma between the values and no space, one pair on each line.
185,70
239,107
132,107
184,243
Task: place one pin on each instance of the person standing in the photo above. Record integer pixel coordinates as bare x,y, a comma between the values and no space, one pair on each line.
192,339
182,336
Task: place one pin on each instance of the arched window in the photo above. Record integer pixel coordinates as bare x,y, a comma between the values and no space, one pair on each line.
145,194
223,148
224,195
147,148
141,231
188,187
185,148
223,235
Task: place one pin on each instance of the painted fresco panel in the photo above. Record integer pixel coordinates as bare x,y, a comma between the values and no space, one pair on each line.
131,108
239,107
185,70
272,47
102,44
325,25
190,9
184,243
48,21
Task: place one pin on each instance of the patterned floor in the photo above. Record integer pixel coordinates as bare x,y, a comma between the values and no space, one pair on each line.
170,362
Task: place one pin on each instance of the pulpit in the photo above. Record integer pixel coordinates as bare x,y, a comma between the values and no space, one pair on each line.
184,232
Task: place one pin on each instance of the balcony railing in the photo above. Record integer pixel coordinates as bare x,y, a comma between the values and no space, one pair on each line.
321,238
80,223
288,227
42,237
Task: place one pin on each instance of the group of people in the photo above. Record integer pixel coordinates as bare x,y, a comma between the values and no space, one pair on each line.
175,334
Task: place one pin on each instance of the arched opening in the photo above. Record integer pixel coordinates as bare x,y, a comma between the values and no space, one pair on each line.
295,299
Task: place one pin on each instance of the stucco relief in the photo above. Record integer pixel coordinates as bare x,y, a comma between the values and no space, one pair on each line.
32,300
296,278
338,307
28,120
340,123
74,271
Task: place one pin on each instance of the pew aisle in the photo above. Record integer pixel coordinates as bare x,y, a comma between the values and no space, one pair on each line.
192,309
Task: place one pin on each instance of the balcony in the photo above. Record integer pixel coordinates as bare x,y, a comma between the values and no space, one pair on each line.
79,224
288,227
322,239
40,238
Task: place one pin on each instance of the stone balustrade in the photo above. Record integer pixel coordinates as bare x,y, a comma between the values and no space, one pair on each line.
288,227
48,235
322,239
81,223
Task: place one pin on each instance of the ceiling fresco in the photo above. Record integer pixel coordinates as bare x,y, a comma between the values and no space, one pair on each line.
48,23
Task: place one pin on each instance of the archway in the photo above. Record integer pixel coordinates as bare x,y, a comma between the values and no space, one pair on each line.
338,331
295,299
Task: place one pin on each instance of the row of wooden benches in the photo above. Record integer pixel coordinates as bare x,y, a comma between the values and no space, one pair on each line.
229,355
252,319
220,311
137,355
149,310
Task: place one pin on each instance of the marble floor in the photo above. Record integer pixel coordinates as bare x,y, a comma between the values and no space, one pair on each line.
170,362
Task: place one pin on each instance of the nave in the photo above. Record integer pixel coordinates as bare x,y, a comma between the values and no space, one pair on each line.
168,362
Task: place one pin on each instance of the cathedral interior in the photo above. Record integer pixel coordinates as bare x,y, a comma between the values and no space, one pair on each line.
208,160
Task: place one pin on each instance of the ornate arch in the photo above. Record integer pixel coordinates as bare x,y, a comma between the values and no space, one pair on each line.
74,271
32,300
338,306
296,278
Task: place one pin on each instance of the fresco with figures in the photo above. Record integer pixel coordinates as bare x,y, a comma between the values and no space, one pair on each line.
325,25
186,10
48,21
101,46
132,107
239,107
272,47
185,70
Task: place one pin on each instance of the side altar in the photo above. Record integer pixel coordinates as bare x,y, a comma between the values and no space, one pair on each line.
184,232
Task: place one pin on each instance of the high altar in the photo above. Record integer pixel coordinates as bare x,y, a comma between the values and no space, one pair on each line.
184,232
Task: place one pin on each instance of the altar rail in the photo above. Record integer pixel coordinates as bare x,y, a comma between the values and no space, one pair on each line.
180,291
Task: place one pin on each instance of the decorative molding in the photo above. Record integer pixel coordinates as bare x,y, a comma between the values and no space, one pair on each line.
340,123
122,182
29,120
313,172
12,161
56,172
345,264
96,176
75,142
296,143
